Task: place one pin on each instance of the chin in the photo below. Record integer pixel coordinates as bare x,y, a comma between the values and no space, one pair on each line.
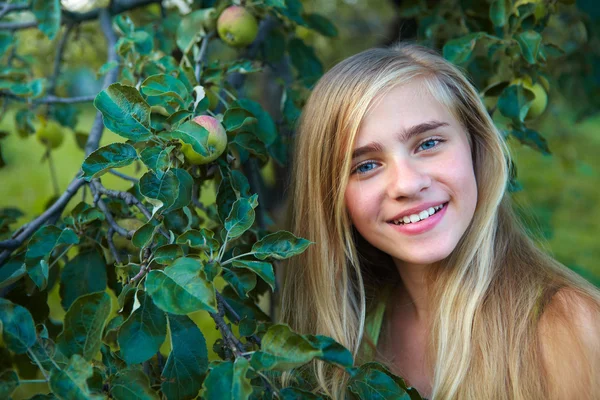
424,259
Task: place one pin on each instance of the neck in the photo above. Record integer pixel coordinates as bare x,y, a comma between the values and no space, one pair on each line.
414,294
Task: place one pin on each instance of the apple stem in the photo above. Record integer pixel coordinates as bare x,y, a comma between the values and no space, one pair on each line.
230,94
53,172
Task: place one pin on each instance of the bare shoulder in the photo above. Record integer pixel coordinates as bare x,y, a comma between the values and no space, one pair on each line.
569,335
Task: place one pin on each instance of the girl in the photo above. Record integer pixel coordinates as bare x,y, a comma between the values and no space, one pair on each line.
419,261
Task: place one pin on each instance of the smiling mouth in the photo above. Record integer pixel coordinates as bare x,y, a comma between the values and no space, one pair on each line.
411,219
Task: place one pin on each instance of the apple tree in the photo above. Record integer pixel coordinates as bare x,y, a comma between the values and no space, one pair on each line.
134,268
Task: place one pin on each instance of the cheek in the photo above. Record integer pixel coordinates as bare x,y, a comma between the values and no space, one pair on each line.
361,203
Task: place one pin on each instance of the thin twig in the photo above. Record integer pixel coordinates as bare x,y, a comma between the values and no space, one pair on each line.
232,342
109,217
111,245
50,99
202,55
235,316
123,176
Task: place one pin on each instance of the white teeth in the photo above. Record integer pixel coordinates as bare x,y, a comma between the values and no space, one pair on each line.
407,219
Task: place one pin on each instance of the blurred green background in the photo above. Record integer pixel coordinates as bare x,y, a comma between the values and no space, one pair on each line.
559,192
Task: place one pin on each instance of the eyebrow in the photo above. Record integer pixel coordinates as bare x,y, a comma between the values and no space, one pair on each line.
405,136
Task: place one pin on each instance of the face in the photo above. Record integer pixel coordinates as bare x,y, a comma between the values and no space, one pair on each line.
412,190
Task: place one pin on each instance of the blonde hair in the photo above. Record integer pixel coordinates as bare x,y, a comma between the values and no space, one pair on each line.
488,293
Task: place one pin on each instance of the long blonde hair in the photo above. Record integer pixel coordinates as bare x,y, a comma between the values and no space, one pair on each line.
488,294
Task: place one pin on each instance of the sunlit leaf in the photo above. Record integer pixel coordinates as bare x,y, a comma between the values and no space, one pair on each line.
125,112
156,159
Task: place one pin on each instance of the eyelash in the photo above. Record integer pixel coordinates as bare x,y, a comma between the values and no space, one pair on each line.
367,162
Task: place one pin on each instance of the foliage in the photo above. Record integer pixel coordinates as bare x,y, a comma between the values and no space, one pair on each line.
133,266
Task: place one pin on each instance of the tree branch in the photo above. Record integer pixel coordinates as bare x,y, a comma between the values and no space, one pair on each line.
111,245
123,176
8,8
50,99
91,145
58,60
233,342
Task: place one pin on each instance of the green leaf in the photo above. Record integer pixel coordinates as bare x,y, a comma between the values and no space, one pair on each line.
279,245
184,190
260,268
125,112
8,383
142,334
250,143
33,89
45,239
233,186
47,13
532,139
460,50
529,42
181,288
236,118
284,349
83,214
227,381
106,67
499,12
274,46
275,3
165,85
193,134
71,383
293,393
84,324
372,381
83,274
193,26
11,272
167,254
514,102
114,155
241,217
321,24
188,361
132,384
18,328
305,61
6,42
24,122
161,192
202,239
265,129
145,233
241,280
156,159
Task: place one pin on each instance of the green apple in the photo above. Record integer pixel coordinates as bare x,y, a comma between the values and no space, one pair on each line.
237,26
50,134
216,143
540,100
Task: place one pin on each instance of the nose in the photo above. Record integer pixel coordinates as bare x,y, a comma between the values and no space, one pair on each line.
407,178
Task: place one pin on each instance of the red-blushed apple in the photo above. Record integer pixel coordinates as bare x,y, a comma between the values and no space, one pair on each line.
216,142
237,26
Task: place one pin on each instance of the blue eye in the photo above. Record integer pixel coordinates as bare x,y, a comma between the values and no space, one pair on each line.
428,144
365,167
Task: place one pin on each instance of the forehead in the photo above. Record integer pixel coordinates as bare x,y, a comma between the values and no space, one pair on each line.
400,108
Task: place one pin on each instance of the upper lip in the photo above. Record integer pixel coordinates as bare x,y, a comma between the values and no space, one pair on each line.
417,209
